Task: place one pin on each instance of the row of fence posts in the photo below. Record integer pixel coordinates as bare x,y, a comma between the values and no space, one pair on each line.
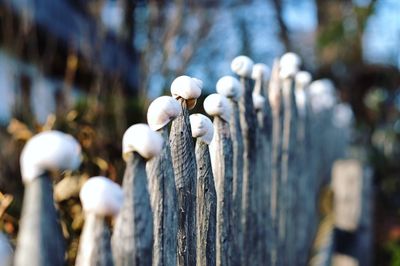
245,193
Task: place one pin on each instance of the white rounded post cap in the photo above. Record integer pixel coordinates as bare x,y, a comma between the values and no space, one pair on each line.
142,139
260,72
101,196
187,88
322,95
303,78
161,111
217,105
258,101
242,66
48,151
202,127
229,87
289,65
343,115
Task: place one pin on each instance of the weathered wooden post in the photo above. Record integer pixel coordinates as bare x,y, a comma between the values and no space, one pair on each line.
243,66
322,100
275,99
186,90
203,130
218,106
305,200
260,74
230,87
132,240
289,66
100,198
40,240
162,187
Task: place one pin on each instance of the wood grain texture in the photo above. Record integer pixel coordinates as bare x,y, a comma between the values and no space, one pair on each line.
223,183
206,207
184,163
289,172
95,243
237,182
40,240
276,154
132,240
248,123
306,197
264,183
164,204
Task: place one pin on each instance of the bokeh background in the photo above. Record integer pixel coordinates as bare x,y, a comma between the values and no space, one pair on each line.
91,67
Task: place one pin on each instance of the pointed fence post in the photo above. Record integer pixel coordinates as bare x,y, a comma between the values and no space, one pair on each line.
231,88
289,65
243,66
218,106
206,210
304,203
275,99
100,198
261,105
186,90
40,239
162,187
132,240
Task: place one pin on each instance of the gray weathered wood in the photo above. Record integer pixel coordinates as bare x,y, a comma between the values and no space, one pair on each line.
132,240
264,168
223,182
184,163
288,171
237,182
275,97
95,243
306,197
248,123
206,207
40,239
163,200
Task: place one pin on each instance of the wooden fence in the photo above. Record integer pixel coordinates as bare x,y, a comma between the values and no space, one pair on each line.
242,189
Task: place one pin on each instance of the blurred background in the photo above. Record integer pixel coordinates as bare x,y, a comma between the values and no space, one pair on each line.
91,67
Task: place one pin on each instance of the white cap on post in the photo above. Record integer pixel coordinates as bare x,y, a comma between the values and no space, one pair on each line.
141,139
229,87
187,88
289,65
217,105
161,111
260,72
202,127
48,151
101,196
242,66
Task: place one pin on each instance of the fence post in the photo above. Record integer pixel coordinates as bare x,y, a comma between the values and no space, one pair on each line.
100,197
230,87
40,240
162,189
218,106
289,65
275,99
261,105
305,194
186,90
202,129
243,66
132,240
